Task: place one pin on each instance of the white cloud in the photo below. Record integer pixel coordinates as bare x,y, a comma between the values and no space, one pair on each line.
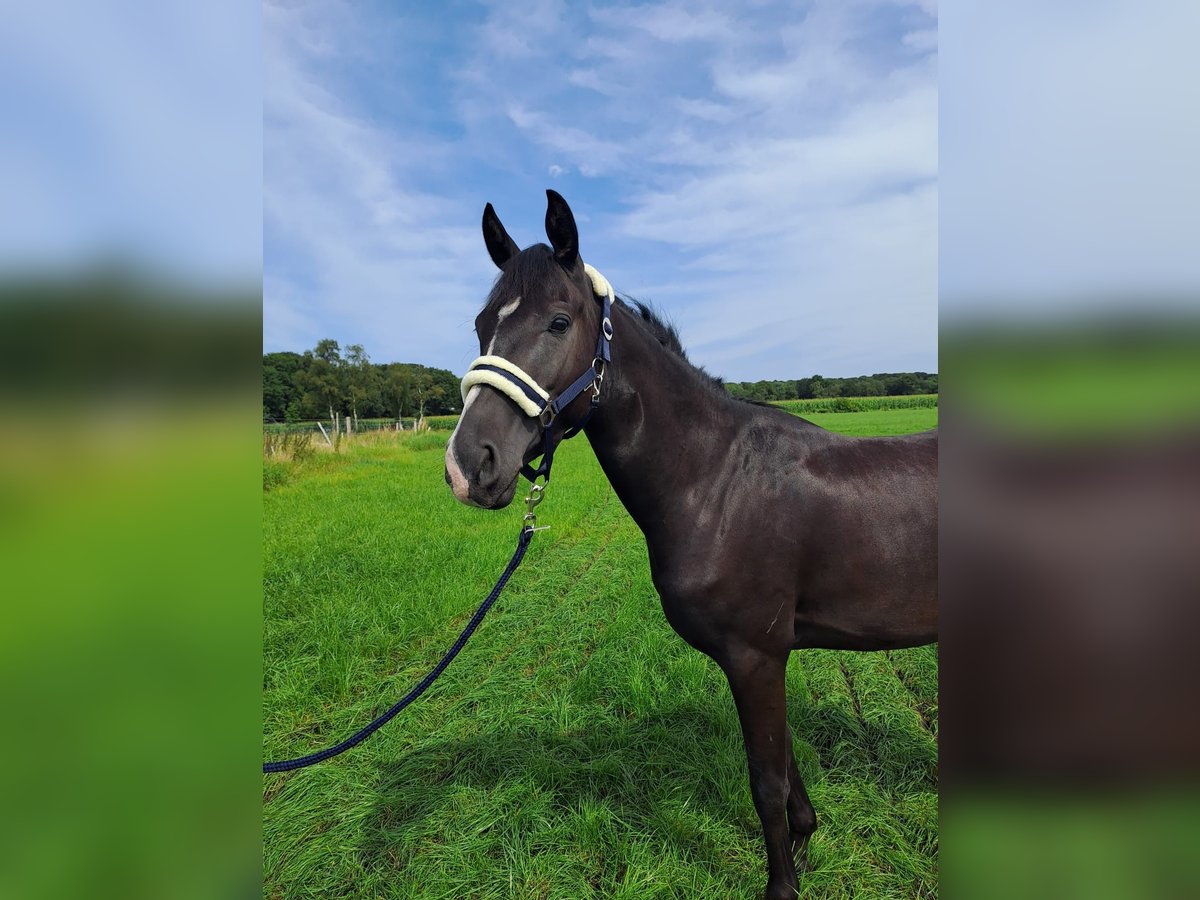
591,153
668,22
926,39
516,31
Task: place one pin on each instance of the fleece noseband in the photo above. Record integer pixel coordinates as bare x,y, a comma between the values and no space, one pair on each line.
520,387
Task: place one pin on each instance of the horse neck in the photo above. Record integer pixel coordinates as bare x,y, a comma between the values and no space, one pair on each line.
659,427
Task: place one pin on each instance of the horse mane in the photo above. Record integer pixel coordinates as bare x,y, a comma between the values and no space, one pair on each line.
667,336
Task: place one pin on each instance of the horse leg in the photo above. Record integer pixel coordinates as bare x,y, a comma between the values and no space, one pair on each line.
757,682
802,818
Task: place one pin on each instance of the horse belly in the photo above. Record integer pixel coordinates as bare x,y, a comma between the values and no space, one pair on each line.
849,632
866,577
870,608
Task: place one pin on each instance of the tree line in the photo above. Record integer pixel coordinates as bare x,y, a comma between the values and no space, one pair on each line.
883,384
329,383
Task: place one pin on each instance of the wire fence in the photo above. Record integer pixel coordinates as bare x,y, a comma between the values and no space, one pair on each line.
348,426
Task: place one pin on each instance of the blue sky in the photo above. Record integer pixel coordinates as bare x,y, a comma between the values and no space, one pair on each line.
765,173
123,138
1069,139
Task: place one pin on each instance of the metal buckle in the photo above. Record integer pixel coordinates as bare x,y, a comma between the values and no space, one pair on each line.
536,495
597,367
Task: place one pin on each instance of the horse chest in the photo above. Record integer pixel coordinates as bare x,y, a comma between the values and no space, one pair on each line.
707,595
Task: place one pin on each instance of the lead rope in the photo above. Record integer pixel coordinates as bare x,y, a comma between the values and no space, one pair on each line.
527,532
526,392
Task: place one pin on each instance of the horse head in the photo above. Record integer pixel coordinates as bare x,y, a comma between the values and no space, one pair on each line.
537,333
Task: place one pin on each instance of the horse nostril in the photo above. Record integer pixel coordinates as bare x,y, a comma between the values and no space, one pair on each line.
488,469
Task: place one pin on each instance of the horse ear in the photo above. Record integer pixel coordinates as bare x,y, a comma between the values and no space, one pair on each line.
500,247
560,228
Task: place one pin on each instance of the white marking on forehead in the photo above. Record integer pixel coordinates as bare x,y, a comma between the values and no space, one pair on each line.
505,311
508,309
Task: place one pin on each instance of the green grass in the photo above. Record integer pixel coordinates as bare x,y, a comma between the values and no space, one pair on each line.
877,422
577,748
1088,382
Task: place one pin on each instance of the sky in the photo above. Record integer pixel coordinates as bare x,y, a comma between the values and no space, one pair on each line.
764,173
792,184
1069,139
132,132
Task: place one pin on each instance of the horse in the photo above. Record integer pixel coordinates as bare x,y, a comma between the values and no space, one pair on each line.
766,533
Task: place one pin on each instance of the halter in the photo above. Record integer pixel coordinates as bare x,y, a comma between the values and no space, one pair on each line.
509,379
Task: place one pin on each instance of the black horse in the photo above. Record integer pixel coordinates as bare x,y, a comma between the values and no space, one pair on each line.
766,533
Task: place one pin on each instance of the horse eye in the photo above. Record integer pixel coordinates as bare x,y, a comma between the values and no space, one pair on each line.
559,324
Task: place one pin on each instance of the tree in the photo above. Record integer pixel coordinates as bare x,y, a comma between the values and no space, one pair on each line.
398,387
327,349
903,383
321,379
445,393
820,387
360,381
279,388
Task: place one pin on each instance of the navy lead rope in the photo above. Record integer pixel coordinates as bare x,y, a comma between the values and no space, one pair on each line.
591,377
286,765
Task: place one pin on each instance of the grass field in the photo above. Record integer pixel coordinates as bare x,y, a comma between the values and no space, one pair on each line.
577,748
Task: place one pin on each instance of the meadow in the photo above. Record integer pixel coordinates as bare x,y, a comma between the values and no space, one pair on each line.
577,747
